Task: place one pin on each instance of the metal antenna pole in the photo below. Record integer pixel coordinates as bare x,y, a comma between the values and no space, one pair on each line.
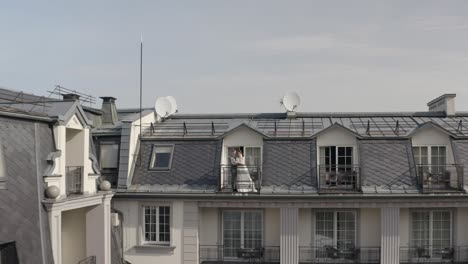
141,98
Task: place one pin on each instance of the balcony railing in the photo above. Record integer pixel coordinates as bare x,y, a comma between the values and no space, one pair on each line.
220,254
437,178
457,254
8,253
329,254
339,178
88,260
240,178
74,179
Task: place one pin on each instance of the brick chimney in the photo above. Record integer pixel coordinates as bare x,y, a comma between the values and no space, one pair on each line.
444,103
109,110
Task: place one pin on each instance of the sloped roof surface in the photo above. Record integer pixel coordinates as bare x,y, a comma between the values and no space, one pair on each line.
194,163
387,166
290,165
460,149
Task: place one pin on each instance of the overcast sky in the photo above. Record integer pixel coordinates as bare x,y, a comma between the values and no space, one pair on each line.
241,56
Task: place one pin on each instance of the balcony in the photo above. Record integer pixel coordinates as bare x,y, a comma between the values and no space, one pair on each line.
440,178
74,180
329,254
88,260
240,178
339,178
219,254
434,255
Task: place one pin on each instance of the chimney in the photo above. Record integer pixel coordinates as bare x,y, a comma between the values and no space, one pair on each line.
71,96
444,103
109,110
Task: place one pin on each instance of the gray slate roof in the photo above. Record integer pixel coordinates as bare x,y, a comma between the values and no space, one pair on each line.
460,149
289,166
194,164
387,166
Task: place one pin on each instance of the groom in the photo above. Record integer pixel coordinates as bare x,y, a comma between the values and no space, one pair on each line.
232,160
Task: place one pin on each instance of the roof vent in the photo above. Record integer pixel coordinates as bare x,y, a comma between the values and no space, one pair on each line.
109,110
71,96
444,103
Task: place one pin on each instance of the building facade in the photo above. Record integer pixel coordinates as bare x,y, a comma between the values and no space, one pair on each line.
306,188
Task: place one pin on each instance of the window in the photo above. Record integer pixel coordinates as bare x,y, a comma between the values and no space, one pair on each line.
336,229
252,155
156,225
431,230
109,155
336,158
161,157
242,230
431,158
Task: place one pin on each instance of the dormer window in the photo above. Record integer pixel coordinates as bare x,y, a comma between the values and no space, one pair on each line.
337,170
435,156
161,159
109,155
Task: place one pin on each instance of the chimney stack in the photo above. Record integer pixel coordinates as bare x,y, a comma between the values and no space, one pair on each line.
109,110
71,96
444,103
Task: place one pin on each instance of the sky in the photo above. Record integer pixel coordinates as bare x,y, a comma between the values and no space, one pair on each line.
241,55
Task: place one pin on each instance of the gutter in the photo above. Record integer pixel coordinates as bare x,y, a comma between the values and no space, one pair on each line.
26,116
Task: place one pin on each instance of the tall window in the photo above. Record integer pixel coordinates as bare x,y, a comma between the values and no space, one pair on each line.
242,230
252,155
109,155
336,158
336,229
431,229
434,156
161,158
156,224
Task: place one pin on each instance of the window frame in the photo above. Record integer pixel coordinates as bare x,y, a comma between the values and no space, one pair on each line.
142,239
228,154
100,154
429,153
431,225
153,157
355,212
242,228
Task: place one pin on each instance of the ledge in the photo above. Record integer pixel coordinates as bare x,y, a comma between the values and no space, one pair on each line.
154,248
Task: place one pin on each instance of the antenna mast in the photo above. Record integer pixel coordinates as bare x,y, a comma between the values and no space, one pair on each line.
141,96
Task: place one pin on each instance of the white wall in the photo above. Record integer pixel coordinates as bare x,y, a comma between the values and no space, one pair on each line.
209,226
133,251
404,227
242,136
73,235
74,147
461,228
369,227
433,136
305,227
272,227
337,136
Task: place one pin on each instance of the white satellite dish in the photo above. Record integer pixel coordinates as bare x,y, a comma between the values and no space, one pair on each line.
291,101
173,102
163,107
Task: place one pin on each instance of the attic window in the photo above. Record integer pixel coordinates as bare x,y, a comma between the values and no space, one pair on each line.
161,158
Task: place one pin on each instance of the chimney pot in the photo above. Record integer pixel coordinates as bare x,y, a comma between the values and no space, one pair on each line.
444,103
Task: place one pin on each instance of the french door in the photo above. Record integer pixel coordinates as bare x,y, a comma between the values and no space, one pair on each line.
241,230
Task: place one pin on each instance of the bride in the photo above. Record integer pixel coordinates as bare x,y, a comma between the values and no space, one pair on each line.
244,181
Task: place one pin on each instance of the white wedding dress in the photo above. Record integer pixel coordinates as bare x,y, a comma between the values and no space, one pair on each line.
244,181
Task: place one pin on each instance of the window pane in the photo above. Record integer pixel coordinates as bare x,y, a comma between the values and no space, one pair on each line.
324,228
420,222
231,232
162,156
253,156
109,155
345,225
150,223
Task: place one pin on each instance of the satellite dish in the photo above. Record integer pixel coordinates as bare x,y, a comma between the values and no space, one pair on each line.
173,102
291,101
163,107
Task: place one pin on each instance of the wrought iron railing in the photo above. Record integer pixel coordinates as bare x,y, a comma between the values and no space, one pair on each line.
8,253
339,178
223,254
74,179
240,178
88,260
458,254
330,254
436,178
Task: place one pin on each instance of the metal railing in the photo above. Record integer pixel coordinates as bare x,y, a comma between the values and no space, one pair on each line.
339,178
74,179
330,254
8,253
240,178
221,254
458,254
436,178
88,260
